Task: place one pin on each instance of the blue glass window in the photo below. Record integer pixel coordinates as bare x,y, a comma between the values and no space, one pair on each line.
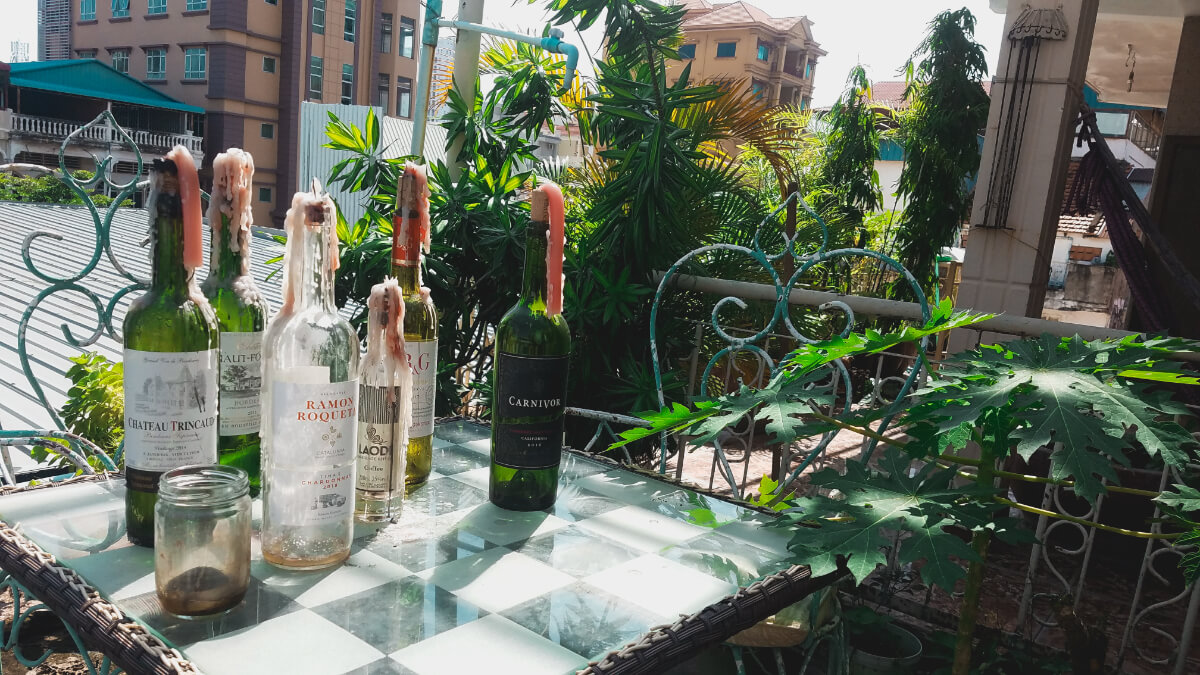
726,50
687,51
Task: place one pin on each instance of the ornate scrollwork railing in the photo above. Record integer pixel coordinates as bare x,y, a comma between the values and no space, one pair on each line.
780,322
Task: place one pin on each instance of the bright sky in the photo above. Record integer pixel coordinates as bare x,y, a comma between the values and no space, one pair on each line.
878,33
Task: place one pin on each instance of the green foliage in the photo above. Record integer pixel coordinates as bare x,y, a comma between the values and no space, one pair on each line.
940,138
94,409
49,189
851,147
990,657
1182,506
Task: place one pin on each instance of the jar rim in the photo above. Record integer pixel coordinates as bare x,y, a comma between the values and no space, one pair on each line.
203,485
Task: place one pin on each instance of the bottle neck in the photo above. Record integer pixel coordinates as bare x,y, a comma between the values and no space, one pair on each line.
316,277
227,258
409,279
406,253
168,273
533,290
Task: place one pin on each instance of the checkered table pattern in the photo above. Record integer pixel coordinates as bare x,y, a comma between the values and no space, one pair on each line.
456,586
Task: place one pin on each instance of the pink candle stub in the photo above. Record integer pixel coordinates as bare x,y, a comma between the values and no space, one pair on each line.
233,176
189,198
554,247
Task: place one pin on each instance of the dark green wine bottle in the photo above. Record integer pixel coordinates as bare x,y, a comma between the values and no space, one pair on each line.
241,313
170,339
533,346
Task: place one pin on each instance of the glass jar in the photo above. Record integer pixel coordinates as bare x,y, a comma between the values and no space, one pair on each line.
202,539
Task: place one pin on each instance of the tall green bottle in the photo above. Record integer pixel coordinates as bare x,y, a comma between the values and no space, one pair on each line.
240,310
533,347
410,235
170,354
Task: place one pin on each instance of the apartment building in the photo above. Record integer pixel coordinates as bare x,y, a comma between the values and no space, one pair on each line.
250,63
777,56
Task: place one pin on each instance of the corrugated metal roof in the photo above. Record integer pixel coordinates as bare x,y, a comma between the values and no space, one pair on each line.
94,79
48,349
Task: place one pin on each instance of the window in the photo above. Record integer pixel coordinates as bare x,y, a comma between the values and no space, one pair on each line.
87,10
347,84
86,53
196,5
318,17
384,90
272,2
764,52
351,15
687,51
403,97
195,63
756,88
385,34
120,8
1112,123
156,63
316,73
156,7
264,194
408,33
268,64
726,50
808,68
120,60
266,130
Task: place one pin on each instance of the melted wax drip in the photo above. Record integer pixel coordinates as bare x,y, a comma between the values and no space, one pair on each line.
385,343
555,237
189,199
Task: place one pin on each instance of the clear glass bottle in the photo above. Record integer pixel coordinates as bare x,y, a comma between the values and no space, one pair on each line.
170,354
310,394
410,235
384,408
533,348
241,313
202,540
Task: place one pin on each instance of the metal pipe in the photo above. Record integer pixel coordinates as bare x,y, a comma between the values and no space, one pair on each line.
1004,323
552,43
428,51
466,74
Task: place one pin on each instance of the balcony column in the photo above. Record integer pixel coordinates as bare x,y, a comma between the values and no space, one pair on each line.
1176,175
1007,269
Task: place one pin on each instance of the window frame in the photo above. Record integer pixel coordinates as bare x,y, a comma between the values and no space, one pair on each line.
316,69
386,32
84,14
317,27
687,52
383,92
408,37
269,192
404,95
350,21
347,97
764,52
195,6
119,13
156,54
732,53
274,64
156,7
267,130
124,53
191,73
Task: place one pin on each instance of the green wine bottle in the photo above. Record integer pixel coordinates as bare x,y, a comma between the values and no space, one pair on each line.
241,313
170,340
533,346
410,235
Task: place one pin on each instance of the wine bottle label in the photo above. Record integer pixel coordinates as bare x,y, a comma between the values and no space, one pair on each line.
312,451
380,466
527,416
170,409
422,358
241,383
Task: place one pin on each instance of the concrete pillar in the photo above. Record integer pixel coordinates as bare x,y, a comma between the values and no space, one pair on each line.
1176,177
1006,269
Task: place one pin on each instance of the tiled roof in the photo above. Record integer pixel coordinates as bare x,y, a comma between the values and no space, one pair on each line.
736,13
1093,226
891,93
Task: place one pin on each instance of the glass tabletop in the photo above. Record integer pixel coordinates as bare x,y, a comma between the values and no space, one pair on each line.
456,585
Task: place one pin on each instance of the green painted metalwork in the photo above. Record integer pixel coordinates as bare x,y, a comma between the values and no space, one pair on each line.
780,320
25,607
